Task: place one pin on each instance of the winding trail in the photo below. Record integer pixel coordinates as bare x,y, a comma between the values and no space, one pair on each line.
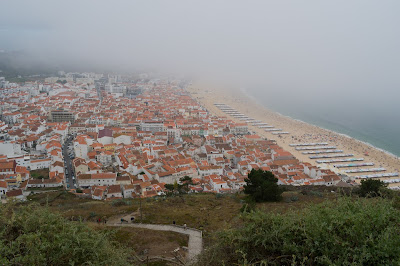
195,245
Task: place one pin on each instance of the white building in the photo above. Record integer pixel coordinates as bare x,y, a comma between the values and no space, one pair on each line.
99,179
10,148
153,126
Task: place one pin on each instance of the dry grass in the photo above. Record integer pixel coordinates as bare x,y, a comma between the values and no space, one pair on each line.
40,173
144,242
208,212
203,211
74,208
295,200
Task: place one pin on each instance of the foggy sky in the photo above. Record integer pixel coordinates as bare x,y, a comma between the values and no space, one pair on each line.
304,47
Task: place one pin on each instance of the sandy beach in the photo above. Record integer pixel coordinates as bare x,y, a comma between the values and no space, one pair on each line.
299,131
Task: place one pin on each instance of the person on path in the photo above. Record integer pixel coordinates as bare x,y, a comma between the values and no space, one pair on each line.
184,226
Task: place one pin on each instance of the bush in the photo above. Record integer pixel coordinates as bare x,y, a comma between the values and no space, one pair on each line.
262,186
316,193
120,202
371,187
294,199
32,235
342,232
248,207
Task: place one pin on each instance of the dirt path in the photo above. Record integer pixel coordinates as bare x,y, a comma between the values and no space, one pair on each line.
195,245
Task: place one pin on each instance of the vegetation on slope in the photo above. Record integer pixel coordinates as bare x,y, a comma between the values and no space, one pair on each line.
33,235
310,225
345,231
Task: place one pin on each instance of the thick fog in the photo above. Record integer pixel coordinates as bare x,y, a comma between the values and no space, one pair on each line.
283,47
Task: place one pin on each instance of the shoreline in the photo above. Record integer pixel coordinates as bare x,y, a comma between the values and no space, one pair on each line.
335,132
300,131
251,97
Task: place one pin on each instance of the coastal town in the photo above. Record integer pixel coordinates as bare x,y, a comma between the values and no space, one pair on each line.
109,137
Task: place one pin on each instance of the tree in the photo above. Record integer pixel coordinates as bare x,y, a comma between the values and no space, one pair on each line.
179,189
371,187
169,187
185,182
61,81
186,179
262,186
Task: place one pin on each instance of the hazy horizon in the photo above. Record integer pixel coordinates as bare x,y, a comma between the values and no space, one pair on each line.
296,52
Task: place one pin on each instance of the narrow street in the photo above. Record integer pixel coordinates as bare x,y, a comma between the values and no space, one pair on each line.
68,164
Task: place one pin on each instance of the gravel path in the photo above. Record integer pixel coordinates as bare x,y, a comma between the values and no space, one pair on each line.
195,236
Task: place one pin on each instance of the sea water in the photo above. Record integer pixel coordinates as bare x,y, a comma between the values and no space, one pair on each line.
374,119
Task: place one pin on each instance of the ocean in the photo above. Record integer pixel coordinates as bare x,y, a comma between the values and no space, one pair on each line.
373,119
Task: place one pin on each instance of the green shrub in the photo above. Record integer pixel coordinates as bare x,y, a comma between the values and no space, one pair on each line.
294,198
247,207
340,232
371,187
32,235
120,202
316,193
219,195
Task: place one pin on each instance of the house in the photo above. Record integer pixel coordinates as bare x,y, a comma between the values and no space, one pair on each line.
105,136
210,170
125,139
146,189
123,180
128,190
331,180
98,179
80,165
7,167
3,188
81,146
317,182
40,164
57,167
105,158
218,184
114,191
16,194
44,183
98,192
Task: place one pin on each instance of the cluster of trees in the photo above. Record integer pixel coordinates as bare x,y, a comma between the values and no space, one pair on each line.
179,188
33,235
